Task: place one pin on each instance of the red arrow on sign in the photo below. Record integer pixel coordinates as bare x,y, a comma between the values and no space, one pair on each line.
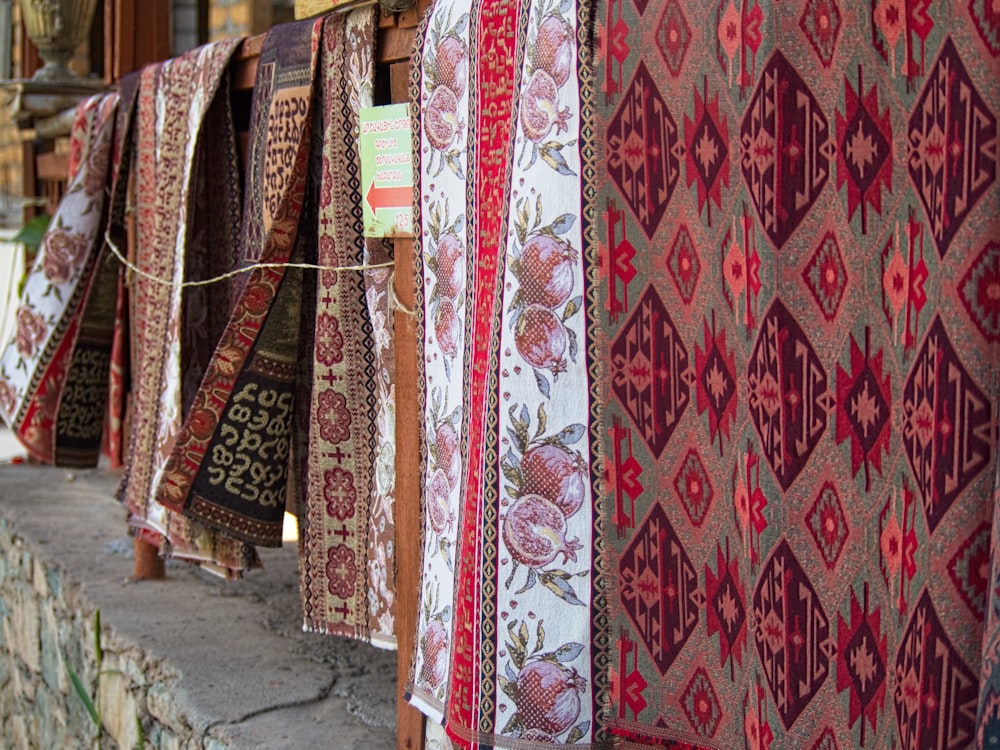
389,197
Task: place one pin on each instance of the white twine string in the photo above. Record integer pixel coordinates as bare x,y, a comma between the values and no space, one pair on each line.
393,299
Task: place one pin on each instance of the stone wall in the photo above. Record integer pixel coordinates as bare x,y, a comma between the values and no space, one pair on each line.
46,625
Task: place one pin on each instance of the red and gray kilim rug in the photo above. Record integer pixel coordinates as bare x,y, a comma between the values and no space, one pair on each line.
794,331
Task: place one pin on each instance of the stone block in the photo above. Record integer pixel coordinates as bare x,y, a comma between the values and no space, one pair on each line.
22,681
4,677
19,734
39,579
54,578
119,708
162,706
53,666
163,739
25,636
5,620
133,670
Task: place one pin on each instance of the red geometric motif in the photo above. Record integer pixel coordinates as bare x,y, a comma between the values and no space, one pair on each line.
683,264
826,741
861,666
616,260
726,611
716,382
757,728
660,591
864,405
788,395
820,22
673,36
898,545
642,142
948,429
628,684
693,487
828,524
864,153
826,277
979,291
785,148
701,704
987,21
969,569
749,501
908,20
741,269
936,693
792,634
952,138
707,152
624,477
616,49
640,5
738,39
903,281
649,371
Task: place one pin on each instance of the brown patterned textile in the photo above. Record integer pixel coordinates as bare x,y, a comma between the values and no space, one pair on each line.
347,570
172,154
229,465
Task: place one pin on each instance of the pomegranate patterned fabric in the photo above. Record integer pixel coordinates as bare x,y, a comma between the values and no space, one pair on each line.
172,156
54,373
229,465
794,343
505,632
346,530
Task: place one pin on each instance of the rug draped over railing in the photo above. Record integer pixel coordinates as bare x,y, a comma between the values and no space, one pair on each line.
229,466
346,424
794,346
54,373
187,198
504,652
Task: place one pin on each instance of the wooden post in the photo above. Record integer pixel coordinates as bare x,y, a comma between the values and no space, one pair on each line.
136,32
149,566
409,721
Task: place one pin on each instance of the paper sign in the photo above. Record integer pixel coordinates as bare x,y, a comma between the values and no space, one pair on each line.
386,171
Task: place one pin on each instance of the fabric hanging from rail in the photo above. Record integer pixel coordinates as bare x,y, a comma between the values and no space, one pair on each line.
346,430
113,444
54,373
504,650
795,362
187,197
229,465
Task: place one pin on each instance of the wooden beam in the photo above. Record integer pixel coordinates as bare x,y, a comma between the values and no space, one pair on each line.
136,32
395,44
52,166
409,721
244,66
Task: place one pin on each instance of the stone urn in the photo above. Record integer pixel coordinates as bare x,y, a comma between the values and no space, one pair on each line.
57,27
